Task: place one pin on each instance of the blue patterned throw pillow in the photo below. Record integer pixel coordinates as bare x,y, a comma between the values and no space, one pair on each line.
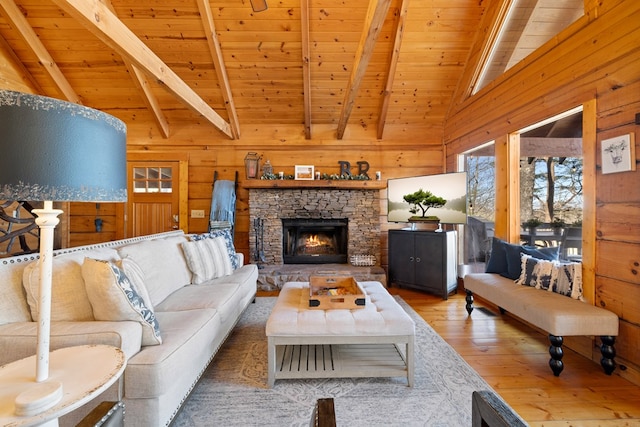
567,280
114,297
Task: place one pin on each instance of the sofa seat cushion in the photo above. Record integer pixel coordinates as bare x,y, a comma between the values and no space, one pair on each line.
189,339
225,298
69,299
246,277
162,263
18,340
244,274
557,314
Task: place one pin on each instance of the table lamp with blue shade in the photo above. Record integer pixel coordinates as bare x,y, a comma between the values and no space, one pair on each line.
51,150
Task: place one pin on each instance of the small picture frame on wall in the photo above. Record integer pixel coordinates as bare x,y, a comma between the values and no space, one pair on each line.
304,172
618,154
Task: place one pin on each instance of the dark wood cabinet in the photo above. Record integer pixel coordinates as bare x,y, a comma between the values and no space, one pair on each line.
424,260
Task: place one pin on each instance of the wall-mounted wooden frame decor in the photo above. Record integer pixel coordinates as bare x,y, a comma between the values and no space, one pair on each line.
618,154
304,172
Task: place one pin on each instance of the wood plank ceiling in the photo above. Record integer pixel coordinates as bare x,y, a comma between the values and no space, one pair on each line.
301,62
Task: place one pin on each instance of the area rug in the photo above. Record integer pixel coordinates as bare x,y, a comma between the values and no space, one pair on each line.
233,390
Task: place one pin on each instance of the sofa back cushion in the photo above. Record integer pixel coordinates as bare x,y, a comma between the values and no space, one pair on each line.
162,263
13,300
69,300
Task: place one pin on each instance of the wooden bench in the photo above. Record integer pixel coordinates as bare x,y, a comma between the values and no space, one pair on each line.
554,313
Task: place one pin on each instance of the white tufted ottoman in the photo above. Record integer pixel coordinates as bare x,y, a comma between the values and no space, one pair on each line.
374,341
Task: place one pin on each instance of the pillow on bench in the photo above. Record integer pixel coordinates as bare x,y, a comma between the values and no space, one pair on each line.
505,257
552,276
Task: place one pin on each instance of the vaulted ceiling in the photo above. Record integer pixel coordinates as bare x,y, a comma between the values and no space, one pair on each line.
307,62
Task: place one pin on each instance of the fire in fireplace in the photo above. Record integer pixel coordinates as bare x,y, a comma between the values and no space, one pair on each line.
314,241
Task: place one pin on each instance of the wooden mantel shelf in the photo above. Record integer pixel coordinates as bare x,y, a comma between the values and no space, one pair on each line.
316,183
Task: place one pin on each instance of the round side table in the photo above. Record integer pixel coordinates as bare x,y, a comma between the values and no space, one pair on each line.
84,371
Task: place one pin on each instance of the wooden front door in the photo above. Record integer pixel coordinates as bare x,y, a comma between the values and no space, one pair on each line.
154,197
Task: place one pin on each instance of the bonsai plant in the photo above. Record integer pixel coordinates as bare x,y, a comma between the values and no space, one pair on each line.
421,201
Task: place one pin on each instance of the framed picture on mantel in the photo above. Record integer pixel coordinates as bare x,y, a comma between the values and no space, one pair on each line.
304,172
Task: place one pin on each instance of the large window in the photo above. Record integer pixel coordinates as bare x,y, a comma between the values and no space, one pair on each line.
525,26
480,167
551,171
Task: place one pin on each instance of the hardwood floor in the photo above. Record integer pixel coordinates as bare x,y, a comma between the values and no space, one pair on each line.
513,358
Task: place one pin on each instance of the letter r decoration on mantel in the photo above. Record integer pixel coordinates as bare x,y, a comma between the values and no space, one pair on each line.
345,168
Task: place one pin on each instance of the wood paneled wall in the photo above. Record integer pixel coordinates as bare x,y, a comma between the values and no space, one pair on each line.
412,153
596,58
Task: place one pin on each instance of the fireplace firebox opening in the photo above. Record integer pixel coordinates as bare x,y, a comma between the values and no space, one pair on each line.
314,241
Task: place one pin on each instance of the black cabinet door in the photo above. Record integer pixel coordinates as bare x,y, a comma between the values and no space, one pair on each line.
429,256
401,257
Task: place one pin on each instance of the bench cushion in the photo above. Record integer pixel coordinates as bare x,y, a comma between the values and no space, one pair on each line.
557,314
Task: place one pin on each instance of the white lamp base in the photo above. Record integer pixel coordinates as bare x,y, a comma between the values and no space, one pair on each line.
38,398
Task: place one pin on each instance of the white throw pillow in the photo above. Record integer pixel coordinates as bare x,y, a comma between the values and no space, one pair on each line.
228,239
69,301
207,259
114,297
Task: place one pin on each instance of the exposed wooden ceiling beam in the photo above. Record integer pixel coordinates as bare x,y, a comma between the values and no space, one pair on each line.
218,62
24,73
141,82
98,19
306,69
372,25
393,62
13,14
550,147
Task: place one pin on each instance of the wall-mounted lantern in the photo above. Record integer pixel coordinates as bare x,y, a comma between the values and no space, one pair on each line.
259,5
251,162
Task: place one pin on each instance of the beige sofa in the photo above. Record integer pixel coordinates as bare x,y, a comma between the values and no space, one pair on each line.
168,300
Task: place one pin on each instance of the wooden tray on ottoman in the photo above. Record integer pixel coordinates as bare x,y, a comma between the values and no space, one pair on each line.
330,292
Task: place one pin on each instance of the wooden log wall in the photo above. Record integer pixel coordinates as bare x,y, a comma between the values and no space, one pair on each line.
407,154
594,61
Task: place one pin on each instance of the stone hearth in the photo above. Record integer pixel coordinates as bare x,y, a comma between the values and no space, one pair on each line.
360,206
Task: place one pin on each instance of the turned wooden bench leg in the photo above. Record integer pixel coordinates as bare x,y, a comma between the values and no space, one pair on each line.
556,353
608,352
469,300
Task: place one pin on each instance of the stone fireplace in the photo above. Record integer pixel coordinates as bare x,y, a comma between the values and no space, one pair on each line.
314,241
358,208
